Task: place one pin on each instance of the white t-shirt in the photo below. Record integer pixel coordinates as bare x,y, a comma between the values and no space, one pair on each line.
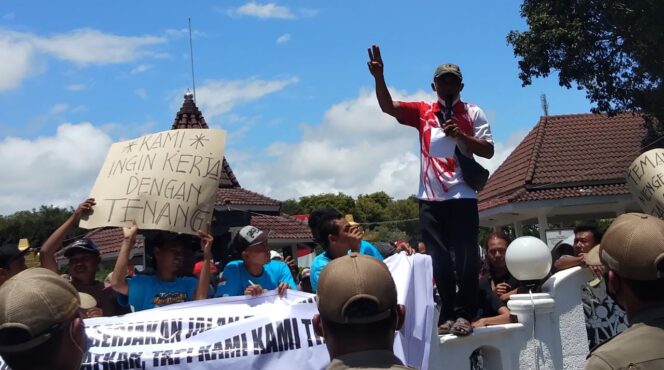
440,175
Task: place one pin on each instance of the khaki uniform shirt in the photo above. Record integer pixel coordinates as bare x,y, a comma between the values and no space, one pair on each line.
367,360
639,347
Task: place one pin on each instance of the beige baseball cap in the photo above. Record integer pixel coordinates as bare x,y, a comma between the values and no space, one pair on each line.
448,68
633,246
351,278
33,304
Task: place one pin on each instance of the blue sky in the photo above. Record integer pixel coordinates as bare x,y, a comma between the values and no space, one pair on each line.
287,80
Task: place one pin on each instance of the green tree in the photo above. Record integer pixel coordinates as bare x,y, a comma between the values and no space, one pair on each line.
372,207
407,211
614,50
292,207
385,233
35,225
341,202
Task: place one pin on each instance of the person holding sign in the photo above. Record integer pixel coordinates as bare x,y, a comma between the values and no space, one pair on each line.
164,287
255,273
83,259
450,130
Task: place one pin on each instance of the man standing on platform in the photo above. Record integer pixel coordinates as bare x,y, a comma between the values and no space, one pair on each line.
448,205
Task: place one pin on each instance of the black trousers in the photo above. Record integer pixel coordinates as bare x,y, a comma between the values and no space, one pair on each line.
449,230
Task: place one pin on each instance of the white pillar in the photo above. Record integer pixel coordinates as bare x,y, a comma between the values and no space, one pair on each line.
518,229
543,225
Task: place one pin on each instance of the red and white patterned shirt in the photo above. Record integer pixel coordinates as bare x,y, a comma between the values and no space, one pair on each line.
440,175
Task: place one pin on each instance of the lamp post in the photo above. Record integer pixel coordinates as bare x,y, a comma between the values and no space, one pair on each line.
528,259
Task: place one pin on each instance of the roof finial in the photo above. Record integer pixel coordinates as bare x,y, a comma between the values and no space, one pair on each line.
188,95
545,105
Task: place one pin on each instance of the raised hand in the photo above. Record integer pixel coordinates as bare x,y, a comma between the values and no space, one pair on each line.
130,232
356,238
206,243
85,208
405,247
375,62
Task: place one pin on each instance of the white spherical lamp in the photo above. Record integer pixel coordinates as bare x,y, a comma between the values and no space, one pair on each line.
528,258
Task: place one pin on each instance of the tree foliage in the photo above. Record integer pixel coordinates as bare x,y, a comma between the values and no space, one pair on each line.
341,202
382,217
614,50
35,225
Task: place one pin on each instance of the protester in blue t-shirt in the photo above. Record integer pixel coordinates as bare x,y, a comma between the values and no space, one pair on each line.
164,287
337,237
255,273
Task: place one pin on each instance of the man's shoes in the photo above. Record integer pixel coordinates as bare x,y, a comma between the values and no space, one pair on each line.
461,327
446,327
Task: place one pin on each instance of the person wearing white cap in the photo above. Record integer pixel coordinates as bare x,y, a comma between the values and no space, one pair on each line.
255,272
276,256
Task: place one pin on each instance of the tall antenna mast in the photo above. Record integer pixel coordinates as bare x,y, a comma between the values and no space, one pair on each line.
191,54
545,105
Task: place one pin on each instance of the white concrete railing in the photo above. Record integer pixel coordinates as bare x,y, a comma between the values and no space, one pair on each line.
550,333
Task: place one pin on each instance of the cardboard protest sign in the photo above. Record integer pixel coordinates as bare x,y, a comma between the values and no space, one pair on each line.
166,181
645,178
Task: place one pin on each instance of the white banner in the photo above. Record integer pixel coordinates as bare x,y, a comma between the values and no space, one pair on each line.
266,332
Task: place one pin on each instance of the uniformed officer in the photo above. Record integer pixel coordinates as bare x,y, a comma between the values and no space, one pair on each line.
632,253
357,302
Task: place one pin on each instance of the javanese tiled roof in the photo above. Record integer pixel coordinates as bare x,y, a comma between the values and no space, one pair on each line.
567,156
240,196
108,240
282,227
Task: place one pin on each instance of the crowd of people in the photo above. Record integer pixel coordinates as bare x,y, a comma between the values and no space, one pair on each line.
41,313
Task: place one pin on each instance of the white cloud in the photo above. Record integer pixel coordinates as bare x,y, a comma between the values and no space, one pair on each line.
308,13
79,109
89,46
58,170
216,97
82,47
183,32
76,87
17,61
140,68
356,149
263,11
284,38
142,93
58,108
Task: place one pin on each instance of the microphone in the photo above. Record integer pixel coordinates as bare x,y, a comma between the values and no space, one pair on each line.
448,106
